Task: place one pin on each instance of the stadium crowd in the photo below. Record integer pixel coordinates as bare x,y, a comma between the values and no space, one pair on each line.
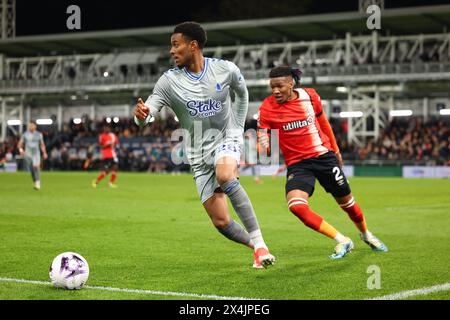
410,141
151,149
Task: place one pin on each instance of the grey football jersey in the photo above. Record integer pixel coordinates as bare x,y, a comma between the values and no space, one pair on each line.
32,142
202,103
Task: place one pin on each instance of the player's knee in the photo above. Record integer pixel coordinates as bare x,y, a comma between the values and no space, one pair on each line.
224,177
220,222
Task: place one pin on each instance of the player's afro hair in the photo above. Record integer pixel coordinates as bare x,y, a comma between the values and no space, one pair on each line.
286,71
193,31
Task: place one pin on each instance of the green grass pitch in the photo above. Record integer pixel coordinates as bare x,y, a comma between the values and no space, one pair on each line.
153,234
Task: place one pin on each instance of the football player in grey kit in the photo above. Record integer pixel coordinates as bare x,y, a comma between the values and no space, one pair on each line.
198,91
33,141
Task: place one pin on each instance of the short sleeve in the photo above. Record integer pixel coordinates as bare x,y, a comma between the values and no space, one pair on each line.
160,96
263,117
237,81
316,101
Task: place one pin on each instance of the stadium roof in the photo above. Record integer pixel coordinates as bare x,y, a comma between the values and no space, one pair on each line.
401,21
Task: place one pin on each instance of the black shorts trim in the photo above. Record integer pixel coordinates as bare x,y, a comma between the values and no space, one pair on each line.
108,163
341,192
296,184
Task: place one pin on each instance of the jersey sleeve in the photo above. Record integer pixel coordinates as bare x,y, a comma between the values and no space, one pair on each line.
238,85
316,101
322,119
263,121
237,82
160,96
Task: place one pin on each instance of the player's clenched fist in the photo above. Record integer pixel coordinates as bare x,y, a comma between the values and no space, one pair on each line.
141,111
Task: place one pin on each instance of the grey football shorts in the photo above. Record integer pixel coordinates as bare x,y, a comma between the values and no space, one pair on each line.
205,173
34,160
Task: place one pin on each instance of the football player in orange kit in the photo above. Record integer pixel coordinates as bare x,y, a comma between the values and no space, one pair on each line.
108,141
310,151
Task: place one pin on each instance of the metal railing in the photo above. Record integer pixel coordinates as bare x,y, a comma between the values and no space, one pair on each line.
369,73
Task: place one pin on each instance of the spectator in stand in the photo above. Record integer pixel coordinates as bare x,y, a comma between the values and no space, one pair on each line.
423,143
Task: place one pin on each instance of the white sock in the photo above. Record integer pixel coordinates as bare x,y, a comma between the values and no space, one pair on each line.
37,184
367,234
340,238
257,239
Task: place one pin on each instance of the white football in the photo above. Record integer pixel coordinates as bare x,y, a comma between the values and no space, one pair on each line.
69,270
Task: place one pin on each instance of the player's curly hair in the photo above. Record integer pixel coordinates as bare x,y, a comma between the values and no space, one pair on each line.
193,31
286,71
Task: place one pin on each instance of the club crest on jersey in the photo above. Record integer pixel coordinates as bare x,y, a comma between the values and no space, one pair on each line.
204,109
298,124
218,87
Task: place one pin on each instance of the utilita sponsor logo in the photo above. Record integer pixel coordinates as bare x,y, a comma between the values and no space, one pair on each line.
204,110
298,124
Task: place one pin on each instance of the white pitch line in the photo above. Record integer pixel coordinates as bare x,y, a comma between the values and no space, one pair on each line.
412,293
139,291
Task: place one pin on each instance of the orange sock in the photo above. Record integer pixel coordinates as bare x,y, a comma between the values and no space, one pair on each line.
100,177
300,208
361,226
113,177
355,214
328,230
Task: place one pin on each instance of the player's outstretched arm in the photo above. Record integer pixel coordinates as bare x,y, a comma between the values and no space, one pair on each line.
263,142
44,151
262,133
141,113
279,170
20,147
326,128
